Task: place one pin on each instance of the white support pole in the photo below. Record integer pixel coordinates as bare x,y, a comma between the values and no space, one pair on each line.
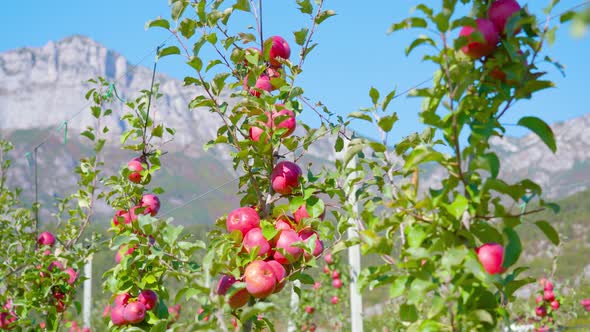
294,306
354,259
87,307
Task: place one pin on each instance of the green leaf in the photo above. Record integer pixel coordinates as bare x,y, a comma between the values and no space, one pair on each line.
305,6
339,145
458,207
301,36
421,40
408,313
324,15
178,8
411,22
386,122
374,94
549,231
387,100
158,22
242,5
303,277
361,116
421,155
196,63
168,51
187,27
513,248
540,128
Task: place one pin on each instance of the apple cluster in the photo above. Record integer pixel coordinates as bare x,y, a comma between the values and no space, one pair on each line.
547,304
484,39
279,51
7,316
127,310
46,242
274,254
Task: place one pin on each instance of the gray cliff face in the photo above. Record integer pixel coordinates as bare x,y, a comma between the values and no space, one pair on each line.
41,87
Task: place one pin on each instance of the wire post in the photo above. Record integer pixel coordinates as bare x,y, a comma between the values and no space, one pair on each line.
354,256
36,191
88,293
294,306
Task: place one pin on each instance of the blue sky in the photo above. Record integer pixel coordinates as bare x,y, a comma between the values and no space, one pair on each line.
354,54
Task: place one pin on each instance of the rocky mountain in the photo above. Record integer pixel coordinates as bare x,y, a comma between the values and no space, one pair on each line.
42,87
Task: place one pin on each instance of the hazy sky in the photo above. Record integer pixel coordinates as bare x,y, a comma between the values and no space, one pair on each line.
354,54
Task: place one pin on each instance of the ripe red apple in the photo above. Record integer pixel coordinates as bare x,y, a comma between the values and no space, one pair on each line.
242,219
539,299
262,84
239,299
328,258
280,274
199,312
335,275
260,279
491,256
151,204
55,265
46,239
135,167
301,213
554,304
327,270
305,234
117,316
279,49
285,177
273,74
312,327
541,311
255,238
500,12
317,285
285,241
123,251
134,312
149,298
548,286
334,300
548,295
475,48
225,282
337,283
58,301
309,309
283,223
122,299
255,133
73,275
285,119
174,311
6,320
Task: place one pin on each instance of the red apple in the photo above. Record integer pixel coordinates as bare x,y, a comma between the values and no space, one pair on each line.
327,270
301,213
260,279
475,48
548,295
312,327
239,299
280,274
317,285
273,74
199,312
255,133
117,315
539,299
46,239
135,167
225,282
585,302
309,309
55,265
491,256
123,251
554,304
242,219
285,119
328,258
283,223
285,241
335,274
262,84
255,238
151,204
337,283
149,298
500,12
107,311
285,177
122,299
279,49
305,234
134,312
548,286
541,311
73,275
174,311
334,300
